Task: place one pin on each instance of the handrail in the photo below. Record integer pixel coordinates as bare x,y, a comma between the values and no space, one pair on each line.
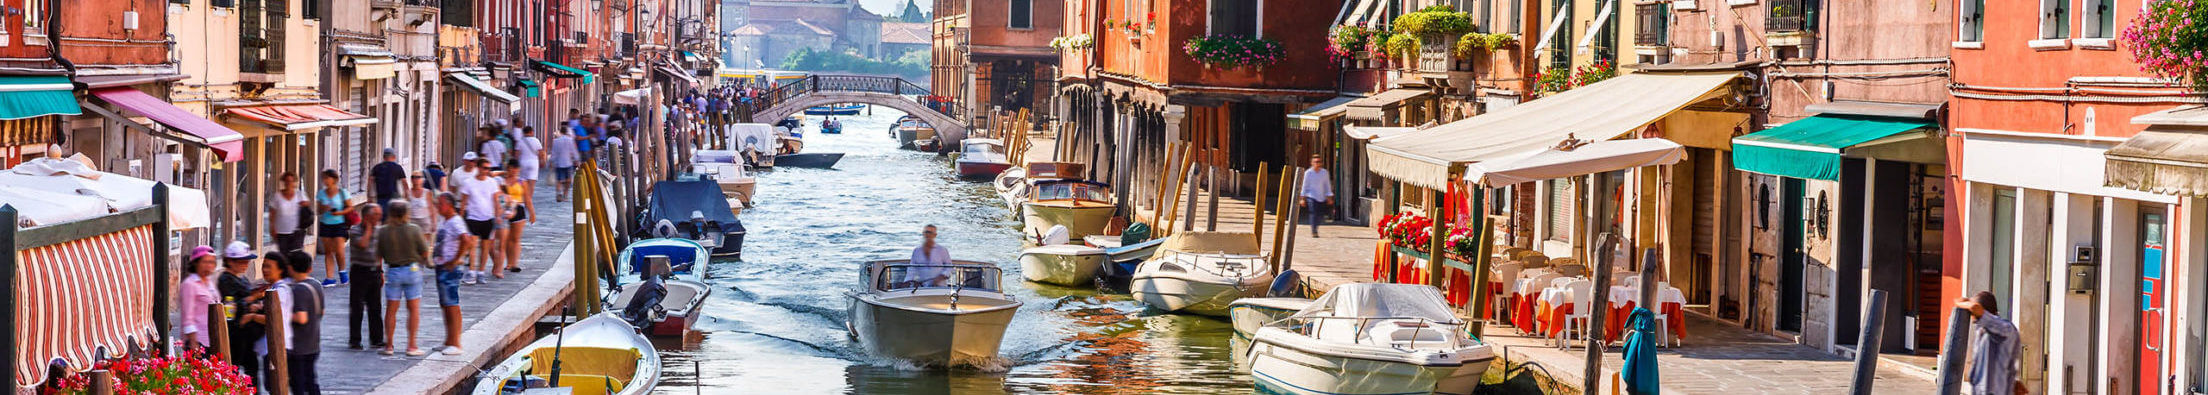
1363,329
811,84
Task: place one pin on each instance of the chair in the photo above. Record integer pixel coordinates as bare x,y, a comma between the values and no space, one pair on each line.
1506,276
1581,317
1534,261
1572,269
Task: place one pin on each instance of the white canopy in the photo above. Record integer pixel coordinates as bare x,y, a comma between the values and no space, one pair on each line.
1382,300
1373,132
751,136
51,191
1594,157
1600,111
631,97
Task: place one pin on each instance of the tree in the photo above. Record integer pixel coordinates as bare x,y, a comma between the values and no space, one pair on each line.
912,13
806,59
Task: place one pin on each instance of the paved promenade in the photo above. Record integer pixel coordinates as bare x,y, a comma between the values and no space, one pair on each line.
494,314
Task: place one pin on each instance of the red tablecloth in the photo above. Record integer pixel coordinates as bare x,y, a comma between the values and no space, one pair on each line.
1673,317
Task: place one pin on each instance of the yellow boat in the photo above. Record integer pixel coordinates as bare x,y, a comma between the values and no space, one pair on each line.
1083,207
599,355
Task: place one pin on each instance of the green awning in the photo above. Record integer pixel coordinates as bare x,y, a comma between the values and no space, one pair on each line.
563,71
1811,148
37,96
529,88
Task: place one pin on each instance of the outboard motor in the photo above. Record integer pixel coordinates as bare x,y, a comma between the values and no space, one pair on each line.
1135,234
645,305
665,229
1288,284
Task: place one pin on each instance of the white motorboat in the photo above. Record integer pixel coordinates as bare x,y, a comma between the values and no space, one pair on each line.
726,168
933,314
682,279
1012,186
1370,339
1083,207
1248,314
598,355
981,159
1199,272
1062,264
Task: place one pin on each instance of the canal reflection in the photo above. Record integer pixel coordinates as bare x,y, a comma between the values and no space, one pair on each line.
775,321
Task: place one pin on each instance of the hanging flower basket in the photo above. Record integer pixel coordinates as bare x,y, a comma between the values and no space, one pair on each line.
1234,51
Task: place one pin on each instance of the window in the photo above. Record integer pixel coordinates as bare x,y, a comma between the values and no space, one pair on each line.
1236,17
312,9
2054,19
1973,20
457,12
34,18
2100,19
1023,14
1560,57
1558,198
2001,271
1654,25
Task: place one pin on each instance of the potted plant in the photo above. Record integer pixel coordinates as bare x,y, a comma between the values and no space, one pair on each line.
194,373
2169,39
1434,28
1234,51
1347,44
1403,48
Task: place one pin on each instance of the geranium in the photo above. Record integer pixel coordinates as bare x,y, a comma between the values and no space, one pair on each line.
194,373
1377,45
1555,79
1462,243
1593,73
1347,41
2170,39
1234,51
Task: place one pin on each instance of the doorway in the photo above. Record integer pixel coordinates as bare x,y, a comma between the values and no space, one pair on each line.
2153,245
1793,257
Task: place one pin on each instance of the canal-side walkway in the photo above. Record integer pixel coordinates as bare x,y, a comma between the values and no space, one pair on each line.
498,314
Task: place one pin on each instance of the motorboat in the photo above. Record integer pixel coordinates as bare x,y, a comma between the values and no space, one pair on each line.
600,354
831,126
1370,338
931,313
836,109
1062,264
1121,257
981,159
756,143
679,266
1083,207
1011,185
910,130
1198,272
1249,314
694,210
810,160
930,144
726,168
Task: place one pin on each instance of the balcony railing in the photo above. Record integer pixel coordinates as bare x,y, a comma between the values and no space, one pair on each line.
1654,26
1437,54
1789,16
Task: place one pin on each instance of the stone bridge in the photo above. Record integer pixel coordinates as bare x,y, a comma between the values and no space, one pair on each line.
818,90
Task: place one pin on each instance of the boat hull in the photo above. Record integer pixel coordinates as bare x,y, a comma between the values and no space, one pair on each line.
1080,221
808,160
604,330
835,110
1068,269
1282,368
981,170
682,313
1182,295
886,327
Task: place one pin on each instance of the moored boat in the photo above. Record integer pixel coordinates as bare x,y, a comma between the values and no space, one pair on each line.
694,210
1012,186
1249,314
1083,207
681,280
726,169
600,354
899,311
1370,338
1062,264
1199,272
836,109
812,160
910,131
982,159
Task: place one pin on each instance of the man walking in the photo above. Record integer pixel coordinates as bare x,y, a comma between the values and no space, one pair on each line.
564,157
1993,347
388,177
1318,193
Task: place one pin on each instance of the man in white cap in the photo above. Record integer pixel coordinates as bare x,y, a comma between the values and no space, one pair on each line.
466,172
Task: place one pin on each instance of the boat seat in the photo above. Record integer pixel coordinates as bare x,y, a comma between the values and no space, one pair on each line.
615,364
585,384
1407,334
678,297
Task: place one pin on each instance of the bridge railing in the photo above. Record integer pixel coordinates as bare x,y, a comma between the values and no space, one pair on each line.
798,88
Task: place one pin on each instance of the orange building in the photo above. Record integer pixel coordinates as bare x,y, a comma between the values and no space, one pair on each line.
996,55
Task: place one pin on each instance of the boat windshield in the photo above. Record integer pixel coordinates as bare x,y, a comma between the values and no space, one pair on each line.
1073,190
903,276
980,147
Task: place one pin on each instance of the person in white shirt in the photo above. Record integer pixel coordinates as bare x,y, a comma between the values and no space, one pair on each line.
1318,193
284,207
494,151
928,253
482,199
530,151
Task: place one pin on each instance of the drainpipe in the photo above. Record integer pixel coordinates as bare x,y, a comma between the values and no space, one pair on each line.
53,38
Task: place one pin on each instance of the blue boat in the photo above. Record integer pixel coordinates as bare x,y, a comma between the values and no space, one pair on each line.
837,109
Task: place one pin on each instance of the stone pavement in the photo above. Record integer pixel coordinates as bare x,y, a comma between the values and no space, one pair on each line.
347,371
1717,358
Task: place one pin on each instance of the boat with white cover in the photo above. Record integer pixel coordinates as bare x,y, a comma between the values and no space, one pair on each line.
1199,272
597,355
932,314
1370,338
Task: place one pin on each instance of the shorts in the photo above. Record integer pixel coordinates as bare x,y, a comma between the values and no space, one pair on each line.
563,173
448,288
529,170
402,283
521,214
481,229
337,230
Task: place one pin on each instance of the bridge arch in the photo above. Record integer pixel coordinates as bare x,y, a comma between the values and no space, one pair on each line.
820,90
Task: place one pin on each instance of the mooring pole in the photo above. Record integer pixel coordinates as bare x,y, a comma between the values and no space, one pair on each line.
1953,351
1866,345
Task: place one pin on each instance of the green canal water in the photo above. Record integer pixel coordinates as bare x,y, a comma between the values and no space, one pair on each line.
775,321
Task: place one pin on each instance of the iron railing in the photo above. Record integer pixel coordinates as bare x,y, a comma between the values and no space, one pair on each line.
1789,16
798,88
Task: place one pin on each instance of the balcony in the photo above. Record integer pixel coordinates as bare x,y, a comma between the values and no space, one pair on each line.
1438,60
1790,23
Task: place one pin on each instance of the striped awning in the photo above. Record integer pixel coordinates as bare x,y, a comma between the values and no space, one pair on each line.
299,116
80,297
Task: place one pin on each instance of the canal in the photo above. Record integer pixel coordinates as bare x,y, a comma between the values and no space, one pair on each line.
775,320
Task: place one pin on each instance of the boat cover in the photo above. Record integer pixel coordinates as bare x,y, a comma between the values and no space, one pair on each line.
674,201
752,136
1376,300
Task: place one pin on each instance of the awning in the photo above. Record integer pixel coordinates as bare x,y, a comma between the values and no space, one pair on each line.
1373,132
1598,111
631,97
2170,157
482,88
687,55
83,296
677,74
225,142
299,116
530,88
1590,158
1311,117
1357,13
373,67
1374,108
1811,148
36,96
562,71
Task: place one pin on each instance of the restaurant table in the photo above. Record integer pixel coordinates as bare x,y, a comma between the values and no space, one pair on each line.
1623,300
